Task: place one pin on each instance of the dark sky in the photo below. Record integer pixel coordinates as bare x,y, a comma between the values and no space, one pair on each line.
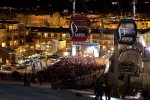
102,6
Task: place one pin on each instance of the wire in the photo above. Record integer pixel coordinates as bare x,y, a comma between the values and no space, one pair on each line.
84,5
119,6
106,7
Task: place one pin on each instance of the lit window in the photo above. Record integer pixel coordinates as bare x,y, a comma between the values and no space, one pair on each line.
104,47
27,33
11,43
38,33
55,35
15,43
52,34
63,35
3,44
45,34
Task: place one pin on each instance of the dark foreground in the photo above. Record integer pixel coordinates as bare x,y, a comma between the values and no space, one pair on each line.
17,91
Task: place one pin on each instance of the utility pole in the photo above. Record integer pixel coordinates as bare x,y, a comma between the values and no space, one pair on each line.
74,4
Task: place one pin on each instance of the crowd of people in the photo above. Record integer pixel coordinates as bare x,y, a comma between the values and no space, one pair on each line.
68,69
102,86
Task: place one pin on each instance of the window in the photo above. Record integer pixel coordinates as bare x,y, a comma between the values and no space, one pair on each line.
22,34
52,34
11,43
3,44
63,35
16,43
13,27
16,35
55,34
45,34
38,33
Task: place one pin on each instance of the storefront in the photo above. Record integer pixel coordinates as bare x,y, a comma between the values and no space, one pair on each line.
85,48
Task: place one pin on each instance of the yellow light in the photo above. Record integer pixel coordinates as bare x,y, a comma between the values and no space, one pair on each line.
3,44
66,54
112,49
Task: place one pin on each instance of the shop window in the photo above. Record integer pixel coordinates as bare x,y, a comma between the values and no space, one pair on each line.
146,25
13,27
63,35
104,47
9,36
94,41
67,35
27,32
11,43
3,44
52,34
38,33
95,36
22,41
16,35
2,26
55,35
45,34
22,34
16,43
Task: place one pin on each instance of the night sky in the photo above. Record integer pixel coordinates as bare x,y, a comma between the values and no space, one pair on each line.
101,6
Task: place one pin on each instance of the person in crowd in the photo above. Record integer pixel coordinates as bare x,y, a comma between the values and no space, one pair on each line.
40,78
33,77
98,90
144,94
1,75
107,90
25,79
28,79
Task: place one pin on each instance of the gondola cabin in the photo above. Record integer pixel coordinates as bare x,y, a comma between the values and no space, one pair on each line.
127,32
79,27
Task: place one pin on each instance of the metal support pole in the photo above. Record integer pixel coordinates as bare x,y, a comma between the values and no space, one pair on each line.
116,56
134,8
74,4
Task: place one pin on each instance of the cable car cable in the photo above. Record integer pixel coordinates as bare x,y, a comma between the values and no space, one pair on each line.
106,7
83,5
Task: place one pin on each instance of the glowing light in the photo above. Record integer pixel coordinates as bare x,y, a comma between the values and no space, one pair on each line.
148,48
142,40
3,44
47,46
66,54
114,3
38,45
146,2
74,50
112,49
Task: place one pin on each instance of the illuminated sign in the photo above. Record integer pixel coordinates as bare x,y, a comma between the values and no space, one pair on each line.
79,28
127,32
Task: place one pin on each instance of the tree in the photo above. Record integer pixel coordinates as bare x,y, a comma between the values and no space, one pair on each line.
54,19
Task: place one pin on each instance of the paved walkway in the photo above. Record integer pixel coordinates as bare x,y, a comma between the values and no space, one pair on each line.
12,90
44,85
